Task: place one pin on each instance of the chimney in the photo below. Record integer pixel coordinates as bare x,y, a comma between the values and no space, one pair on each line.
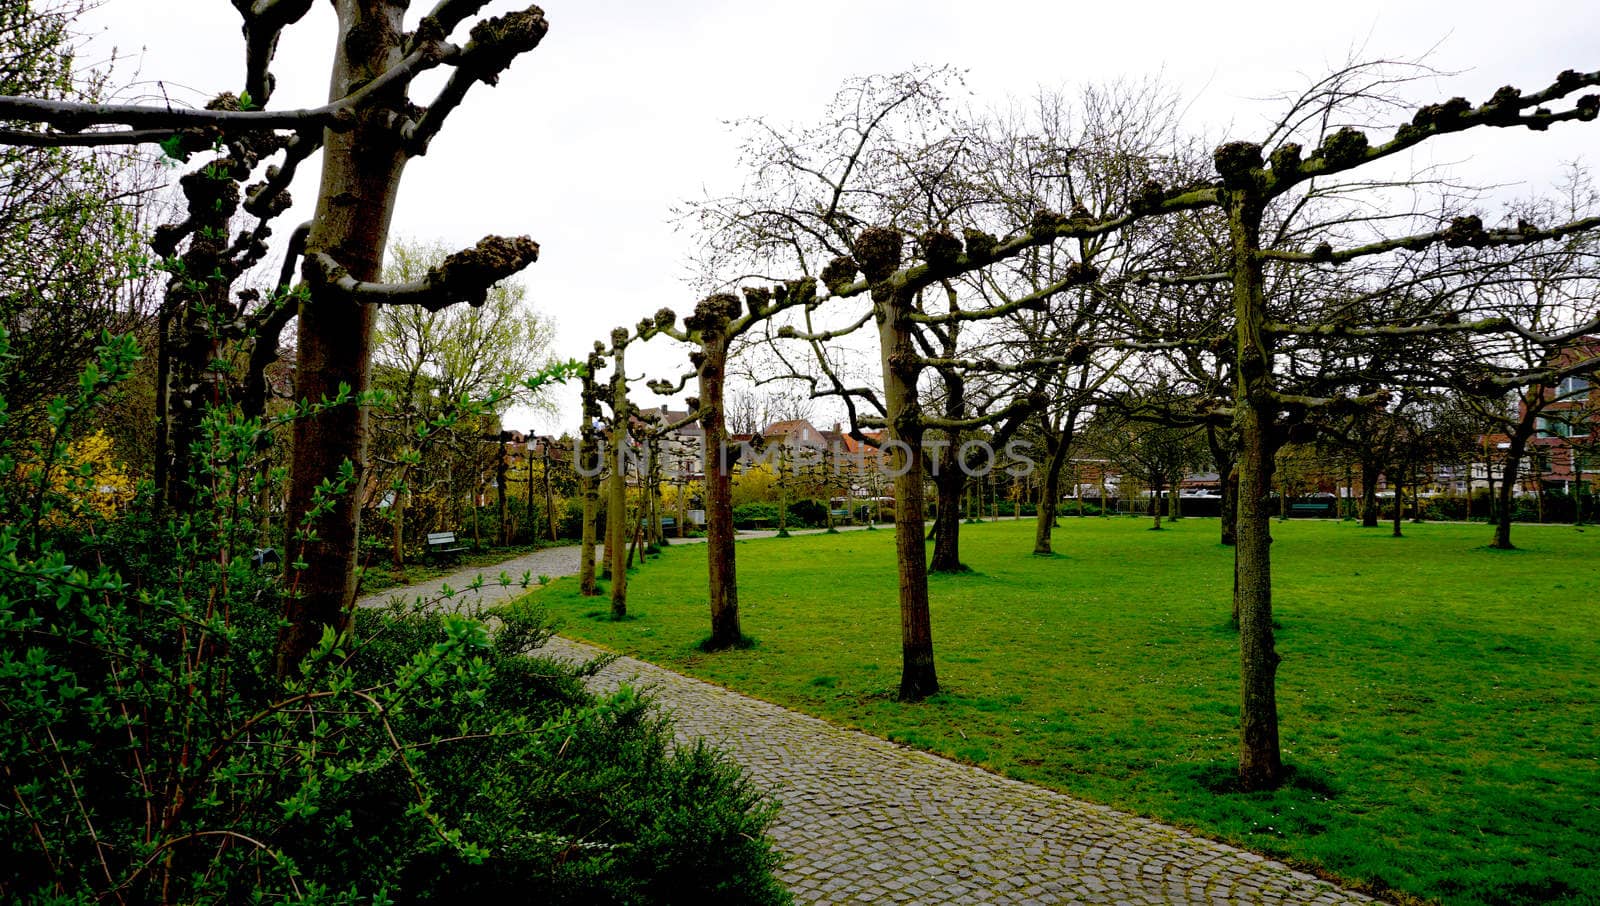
838,428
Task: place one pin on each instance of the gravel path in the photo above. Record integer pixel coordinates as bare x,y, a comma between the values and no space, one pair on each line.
863,820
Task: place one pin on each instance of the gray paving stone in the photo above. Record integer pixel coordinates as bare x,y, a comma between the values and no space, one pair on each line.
862,819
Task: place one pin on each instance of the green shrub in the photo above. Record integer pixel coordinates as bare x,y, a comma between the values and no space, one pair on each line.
808,513
571,524
755,515
152,754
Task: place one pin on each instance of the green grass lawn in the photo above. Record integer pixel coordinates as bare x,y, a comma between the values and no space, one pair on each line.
1438,699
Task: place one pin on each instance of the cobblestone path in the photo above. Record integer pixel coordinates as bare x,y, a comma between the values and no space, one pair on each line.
552,561
863,820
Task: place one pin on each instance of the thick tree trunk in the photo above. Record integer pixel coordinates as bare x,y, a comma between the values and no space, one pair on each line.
718,467
1227,482
361,170
588,487
1260,760
1049,494
904,453
1507,489
947,518
1260,764
1230,503
617,499
1369,495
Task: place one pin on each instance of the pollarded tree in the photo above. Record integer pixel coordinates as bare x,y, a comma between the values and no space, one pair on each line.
887,153
589,461
368,131
717,322
617,449
1253,177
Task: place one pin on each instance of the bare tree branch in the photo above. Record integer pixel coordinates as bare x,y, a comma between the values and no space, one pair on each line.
465,276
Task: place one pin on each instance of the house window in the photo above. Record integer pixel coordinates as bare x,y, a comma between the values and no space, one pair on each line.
1572,385
1553,427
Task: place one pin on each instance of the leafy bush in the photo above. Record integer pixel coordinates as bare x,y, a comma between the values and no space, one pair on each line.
809,513
153,753
755,515
571,524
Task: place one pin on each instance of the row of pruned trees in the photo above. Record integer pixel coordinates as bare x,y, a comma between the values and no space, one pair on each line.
1027,270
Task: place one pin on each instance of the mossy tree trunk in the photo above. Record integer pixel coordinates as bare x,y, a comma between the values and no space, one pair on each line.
589,463
904,459
1057,443
1369,495
361,170
1506,492
1222,453
1260,760
948,482
617,499
712,323
588,487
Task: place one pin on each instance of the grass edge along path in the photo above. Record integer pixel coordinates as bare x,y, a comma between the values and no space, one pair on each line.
1438,699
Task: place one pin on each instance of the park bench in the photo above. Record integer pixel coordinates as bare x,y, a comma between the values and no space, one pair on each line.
1309,508
668,522
444,544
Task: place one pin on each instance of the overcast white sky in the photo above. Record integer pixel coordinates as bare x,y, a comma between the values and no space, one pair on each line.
588,142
